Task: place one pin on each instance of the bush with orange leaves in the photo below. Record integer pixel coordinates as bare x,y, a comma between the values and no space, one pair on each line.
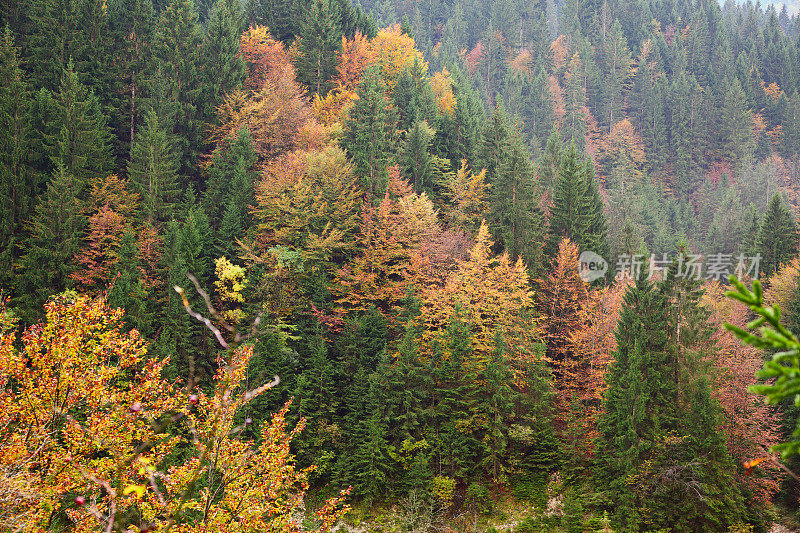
90,432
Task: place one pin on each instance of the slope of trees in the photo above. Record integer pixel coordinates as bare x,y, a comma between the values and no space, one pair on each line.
392,199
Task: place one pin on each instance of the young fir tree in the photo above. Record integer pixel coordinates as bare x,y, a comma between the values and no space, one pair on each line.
369,134
153,169
54,237
736,126
132,23
459,136
229,192
416,161
577,212
777,237
187,249
493,142
127,291
176,63
223,69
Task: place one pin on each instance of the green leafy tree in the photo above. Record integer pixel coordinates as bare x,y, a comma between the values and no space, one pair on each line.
54,237
223,70
176,64
78,138
416,161
17,180
577,212
515,216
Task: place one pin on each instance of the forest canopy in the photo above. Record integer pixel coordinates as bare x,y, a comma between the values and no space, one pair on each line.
484,246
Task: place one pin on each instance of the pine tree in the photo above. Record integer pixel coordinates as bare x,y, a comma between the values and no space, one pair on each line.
78,138
132,23
16,177
176,48
153,169
577,211
128,291
320,42
515,215
223,69
369,134
230,176
415,159
493,141
52,40
777,237
188,249
736,126
660,418
54,237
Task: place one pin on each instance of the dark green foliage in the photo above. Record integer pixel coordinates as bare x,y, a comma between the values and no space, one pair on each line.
153,170
577,211
127,290
320,40
229,195
515,216
222,69
176,63
369,134
76,135
17,180
662,460
54,236
777,237
187,249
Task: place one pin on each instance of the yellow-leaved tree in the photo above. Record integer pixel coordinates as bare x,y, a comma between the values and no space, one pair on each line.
93,438
490,293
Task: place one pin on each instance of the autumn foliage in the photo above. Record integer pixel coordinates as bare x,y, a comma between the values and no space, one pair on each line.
88,429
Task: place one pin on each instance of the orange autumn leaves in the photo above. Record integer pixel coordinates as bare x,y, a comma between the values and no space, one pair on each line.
89,423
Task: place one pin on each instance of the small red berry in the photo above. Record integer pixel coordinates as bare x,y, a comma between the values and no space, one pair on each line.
193,399
136,407
80,501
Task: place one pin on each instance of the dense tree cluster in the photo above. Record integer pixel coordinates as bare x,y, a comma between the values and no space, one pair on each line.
392,200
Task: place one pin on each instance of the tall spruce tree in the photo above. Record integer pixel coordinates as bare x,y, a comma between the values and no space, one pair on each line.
54,237
176,64
577,212
660,453
17,181
223,70
153,170
777,237
515,216
320,41
78,139
369,134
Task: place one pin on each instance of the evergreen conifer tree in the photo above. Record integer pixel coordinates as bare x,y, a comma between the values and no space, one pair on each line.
320,41
369,134
577,212
153,169
777,237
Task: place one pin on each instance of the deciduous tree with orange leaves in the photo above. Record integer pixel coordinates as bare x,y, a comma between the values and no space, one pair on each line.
90,433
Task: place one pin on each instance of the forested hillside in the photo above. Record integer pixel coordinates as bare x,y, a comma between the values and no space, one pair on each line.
388,206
